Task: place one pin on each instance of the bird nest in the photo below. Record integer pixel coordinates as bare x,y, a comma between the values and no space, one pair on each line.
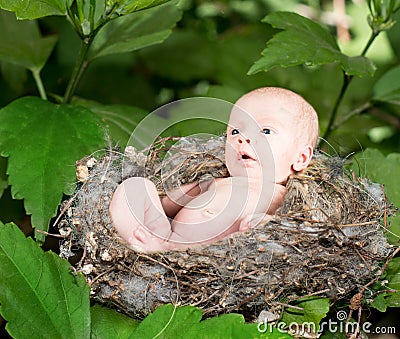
325,240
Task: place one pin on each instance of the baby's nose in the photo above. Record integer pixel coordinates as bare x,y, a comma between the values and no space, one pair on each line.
241,140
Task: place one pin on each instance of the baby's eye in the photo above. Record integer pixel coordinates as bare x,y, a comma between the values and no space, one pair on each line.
235,131
266,131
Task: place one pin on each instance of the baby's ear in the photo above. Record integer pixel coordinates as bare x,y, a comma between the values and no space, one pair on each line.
303,159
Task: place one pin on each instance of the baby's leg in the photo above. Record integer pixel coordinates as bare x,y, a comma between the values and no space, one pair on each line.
136,208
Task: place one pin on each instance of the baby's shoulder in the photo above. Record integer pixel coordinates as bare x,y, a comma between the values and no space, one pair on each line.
279,188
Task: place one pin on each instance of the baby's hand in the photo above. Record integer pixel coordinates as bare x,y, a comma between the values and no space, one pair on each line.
250,221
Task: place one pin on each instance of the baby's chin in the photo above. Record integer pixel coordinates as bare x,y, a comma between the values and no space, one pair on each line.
254,172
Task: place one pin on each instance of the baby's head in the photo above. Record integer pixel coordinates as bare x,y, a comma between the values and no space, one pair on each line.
274,116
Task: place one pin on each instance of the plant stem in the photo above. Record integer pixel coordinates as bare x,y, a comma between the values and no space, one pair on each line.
372,37
346,81
329,129
80,66
39,84
357,111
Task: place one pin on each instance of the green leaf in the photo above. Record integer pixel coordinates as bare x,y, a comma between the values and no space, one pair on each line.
233,326
120,120
393,276
14,75
87,15
314,310
135,31
107,323
379,302
380,168
393,234
387,88
172,322
3,175
389,299
39,296
304,41
168,321
33,9
137,5
22,44
43,141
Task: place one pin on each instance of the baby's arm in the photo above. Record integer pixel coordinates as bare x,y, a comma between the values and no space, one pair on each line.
208,217
176,199
212,215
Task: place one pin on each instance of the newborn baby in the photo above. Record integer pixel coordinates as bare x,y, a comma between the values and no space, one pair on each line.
271,134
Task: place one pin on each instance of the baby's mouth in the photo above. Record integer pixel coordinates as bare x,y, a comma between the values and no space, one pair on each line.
246,157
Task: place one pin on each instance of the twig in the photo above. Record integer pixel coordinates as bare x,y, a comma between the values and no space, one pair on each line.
358,224
384,208
346,82
383,267
165,266
245,301
290,306
52,234
100,275
67,205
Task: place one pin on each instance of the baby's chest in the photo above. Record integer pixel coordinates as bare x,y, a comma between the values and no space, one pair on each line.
235,192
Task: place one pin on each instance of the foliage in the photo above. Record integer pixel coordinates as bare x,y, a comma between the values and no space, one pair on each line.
39,294
58,130
313,310
386,295
294,43
35,9
387,88
378,167
106,323
184,322
3,177
109,52
56,303
63,133
22,43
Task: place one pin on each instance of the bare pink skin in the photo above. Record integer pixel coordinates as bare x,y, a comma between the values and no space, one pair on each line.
262,150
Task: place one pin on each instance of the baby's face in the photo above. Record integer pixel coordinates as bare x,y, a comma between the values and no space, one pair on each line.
262,138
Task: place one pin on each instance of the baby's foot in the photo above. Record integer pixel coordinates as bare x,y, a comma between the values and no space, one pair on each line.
144,241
